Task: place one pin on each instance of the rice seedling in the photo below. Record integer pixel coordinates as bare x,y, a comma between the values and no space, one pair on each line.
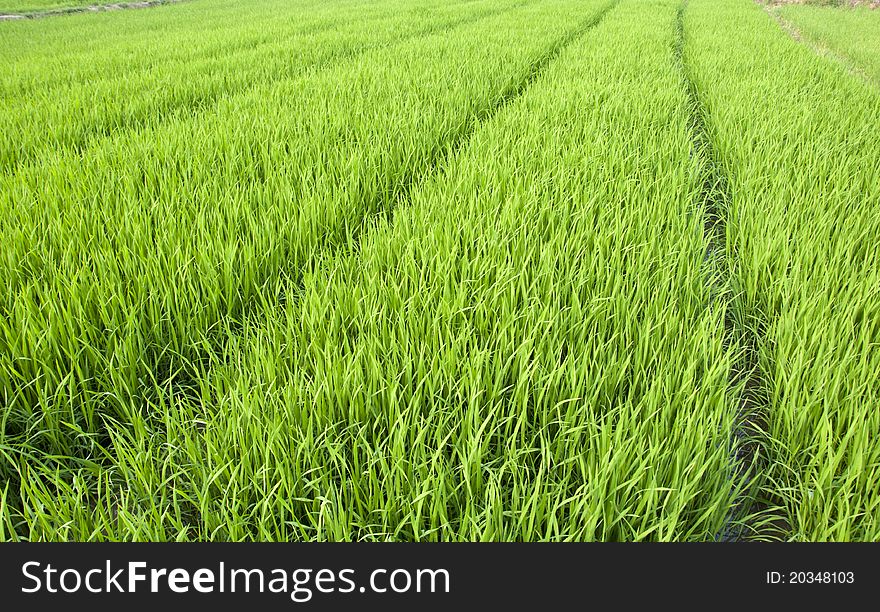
45,53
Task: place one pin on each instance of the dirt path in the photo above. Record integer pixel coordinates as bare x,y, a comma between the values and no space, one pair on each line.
873,4
95,8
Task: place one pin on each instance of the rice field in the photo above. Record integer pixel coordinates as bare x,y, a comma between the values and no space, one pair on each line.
431,270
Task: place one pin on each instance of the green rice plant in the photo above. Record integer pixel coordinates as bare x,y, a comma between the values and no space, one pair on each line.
525,346
54,119
127,267
852,33
42,52
796,135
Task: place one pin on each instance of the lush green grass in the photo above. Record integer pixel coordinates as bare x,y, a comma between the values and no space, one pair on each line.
798,139
853,33
382,269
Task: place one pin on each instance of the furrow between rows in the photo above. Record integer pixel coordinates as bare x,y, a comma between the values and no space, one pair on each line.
748,441
820,49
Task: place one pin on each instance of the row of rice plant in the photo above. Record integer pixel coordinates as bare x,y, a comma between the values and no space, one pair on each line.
56,119
797,137
527,347
124,264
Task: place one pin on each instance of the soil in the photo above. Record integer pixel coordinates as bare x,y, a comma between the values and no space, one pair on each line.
95,8
872,4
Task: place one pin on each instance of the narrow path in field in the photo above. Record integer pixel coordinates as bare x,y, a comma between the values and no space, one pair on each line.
200,105
748,438
818,47
92,8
